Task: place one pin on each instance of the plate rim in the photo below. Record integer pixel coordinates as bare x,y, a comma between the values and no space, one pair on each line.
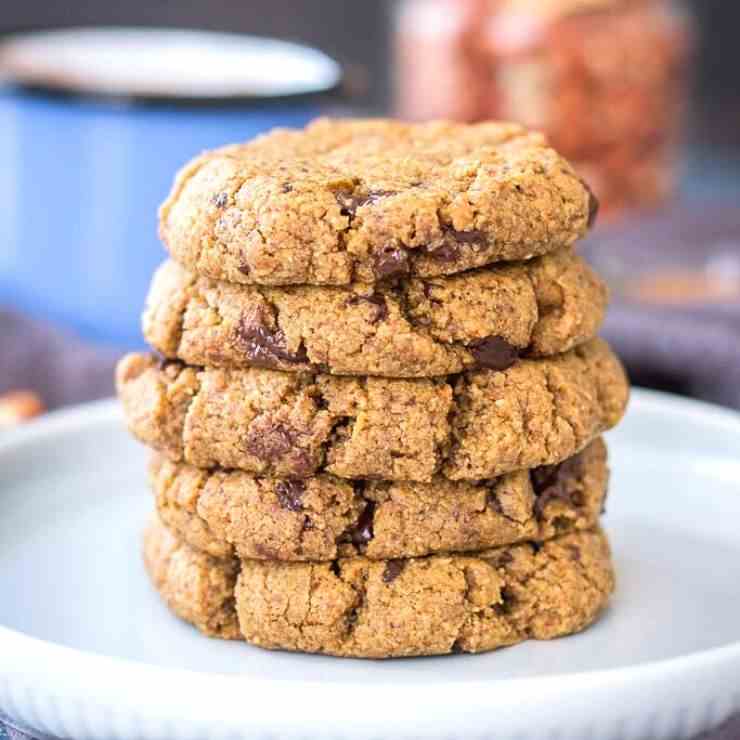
27,659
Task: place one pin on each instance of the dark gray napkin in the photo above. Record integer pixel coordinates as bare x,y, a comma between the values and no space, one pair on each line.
57,366
689,346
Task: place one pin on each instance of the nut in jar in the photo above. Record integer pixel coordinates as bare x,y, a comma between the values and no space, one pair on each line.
605,79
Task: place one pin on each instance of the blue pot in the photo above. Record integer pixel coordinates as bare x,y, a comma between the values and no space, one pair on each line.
87,159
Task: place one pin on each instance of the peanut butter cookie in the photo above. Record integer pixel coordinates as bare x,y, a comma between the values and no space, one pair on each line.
421,327
372,200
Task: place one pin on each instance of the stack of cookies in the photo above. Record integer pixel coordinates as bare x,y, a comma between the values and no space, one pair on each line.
378,397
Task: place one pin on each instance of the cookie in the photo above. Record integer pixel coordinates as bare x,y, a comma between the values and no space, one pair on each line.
227,513
475,426
372,200
418,606
421,327
196,587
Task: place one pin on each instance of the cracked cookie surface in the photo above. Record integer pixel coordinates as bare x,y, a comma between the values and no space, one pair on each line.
421,327
228,513
196,587
368,200
475,426
418,606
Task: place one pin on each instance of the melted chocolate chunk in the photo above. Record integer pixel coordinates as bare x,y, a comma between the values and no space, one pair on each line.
593,206
393,569
505,558
362,531
551,482
391,262
165,363
447,252
493,502
350,201
378,301
508,600
467,237
494,353
290,494
221,200
264,346
273,442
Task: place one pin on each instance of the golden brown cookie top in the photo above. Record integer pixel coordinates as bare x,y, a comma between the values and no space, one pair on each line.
372,200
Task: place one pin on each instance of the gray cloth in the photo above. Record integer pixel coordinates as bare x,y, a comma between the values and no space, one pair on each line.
689,347
55,365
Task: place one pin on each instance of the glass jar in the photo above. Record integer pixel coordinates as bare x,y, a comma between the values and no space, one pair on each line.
604,79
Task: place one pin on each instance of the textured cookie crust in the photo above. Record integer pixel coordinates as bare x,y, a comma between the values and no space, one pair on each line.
196,587
369,200
414,328
227,513
475,426
392,608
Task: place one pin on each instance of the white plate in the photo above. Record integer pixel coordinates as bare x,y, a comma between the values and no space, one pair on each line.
87,650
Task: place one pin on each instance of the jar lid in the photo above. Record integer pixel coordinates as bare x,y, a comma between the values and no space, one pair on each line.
165,64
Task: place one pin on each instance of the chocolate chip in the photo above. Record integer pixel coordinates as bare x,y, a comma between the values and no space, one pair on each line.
221,200
378,301
393,569
286,187
493,502
244,268
276,443
552,482
467,237
334,568
494,353
362,531
456,648
391,262
165,363
593,205
289,494
508,600
505,558
447,252
350,202
308,524
264,346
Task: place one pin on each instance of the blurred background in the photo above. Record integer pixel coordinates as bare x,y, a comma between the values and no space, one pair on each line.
641,95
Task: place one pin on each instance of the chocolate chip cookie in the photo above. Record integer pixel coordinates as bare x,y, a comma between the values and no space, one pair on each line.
421,327
196,587
392,608
475,426
227,513
372,200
